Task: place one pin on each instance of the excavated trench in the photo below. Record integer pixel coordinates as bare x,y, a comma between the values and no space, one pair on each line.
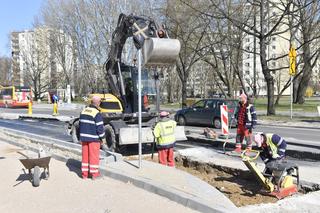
240,186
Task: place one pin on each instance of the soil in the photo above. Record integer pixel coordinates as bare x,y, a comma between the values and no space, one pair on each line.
241,187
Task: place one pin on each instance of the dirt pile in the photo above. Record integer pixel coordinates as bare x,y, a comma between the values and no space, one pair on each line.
241,187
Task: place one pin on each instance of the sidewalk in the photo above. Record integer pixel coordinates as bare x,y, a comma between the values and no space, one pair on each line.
172,183
65,191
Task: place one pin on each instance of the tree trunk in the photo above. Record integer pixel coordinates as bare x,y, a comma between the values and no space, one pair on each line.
307,68
184,93
268,77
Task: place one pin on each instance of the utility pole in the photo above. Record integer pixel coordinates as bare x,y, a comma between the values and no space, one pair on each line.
254,55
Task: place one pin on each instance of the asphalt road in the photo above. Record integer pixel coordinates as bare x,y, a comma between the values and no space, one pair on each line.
292,134
57,130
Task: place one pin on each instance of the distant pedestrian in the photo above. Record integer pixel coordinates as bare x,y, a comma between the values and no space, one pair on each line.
165,139
247,120
92,133
273,147
55,98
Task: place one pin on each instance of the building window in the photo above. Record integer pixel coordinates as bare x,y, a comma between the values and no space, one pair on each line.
273,55
274,38
273,63
247,56
273,47
247,72
247,64
247,39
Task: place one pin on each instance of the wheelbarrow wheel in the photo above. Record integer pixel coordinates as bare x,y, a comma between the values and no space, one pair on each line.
36,176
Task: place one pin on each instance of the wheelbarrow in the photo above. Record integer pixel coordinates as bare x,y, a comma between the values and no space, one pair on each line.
33,165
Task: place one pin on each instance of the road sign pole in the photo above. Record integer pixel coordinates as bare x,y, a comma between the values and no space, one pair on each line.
291,96
292,72
139,106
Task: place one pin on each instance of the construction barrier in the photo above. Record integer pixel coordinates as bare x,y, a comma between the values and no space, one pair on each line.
224,119
30,108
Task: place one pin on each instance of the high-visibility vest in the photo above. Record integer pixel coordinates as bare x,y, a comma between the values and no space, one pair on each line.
273,147
164,133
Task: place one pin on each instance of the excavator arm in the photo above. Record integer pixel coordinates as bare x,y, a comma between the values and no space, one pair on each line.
140,28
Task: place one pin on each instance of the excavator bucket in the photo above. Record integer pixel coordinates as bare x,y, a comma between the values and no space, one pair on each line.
129,135
160,51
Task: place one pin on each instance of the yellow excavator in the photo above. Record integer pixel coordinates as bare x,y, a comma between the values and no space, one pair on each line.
119,105
283,180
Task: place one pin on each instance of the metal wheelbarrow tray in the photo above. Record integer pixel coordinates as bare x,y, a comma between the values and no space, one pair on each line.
33,165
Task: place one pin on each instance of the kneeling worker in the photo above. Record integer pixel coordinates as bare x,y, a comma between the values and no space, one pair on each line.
272,145
165,139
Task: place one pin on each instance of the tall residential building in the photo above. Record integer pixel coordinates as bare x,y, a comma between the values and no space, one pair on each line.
43,53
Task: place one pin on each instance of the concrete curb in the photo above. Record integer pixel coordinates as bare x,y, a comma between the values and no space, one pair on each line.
14,116
311,152
71,149
173,194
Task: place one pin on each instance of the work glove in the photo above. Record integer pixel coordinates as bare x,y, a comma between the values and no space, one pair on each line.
104,141
276,156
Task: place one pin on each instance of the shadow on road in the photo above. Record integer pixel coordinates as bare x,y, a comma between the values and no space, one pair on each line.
74,166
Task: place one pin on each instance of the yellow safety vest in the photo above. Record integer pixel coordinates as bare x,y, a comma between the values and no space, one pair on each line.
273,147
164,133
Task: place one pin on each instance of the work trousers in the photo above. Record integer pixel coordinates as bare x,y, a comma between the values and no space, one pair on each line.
242,133
166,156
90,159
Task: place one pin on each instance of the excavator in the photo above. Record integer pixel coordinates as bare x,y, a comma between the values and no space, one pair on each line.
119,106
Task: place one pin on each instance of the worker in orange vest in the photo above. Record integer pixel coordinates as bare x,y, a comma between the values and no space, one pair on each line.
145,101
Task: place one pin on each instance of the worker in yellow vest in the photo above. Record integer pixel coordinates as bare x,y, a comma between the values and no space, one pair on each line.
165,139
272,146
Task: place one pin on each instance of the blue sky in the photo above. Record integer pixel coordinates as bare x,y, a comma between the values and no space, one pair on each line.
16,15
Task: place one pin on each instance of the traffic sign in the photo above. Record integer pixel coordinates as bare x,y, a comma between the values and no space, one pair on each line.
292,61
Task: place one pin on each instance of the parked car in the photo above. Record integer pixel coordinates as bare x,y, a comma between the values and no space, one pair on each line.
207,112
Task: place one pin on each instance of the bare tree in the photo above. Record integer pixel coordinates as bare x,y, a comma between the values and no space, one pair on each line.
35,62
5,66
190,30
308,25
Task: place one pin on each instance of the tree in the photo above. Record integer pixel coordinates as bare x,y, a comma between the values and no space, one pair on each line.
269,25
36,61
308,26
5,66
190,30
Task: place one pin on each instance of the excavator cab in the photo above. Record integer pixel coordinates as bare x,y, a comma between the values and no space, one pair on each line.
130,76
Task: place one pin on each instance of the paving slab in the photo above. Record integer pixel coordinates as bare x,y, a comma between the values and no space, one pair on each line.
175,184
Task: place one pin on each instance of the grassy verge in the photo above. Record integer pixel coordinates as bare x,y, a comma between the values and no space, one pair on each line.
287,118
310,105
